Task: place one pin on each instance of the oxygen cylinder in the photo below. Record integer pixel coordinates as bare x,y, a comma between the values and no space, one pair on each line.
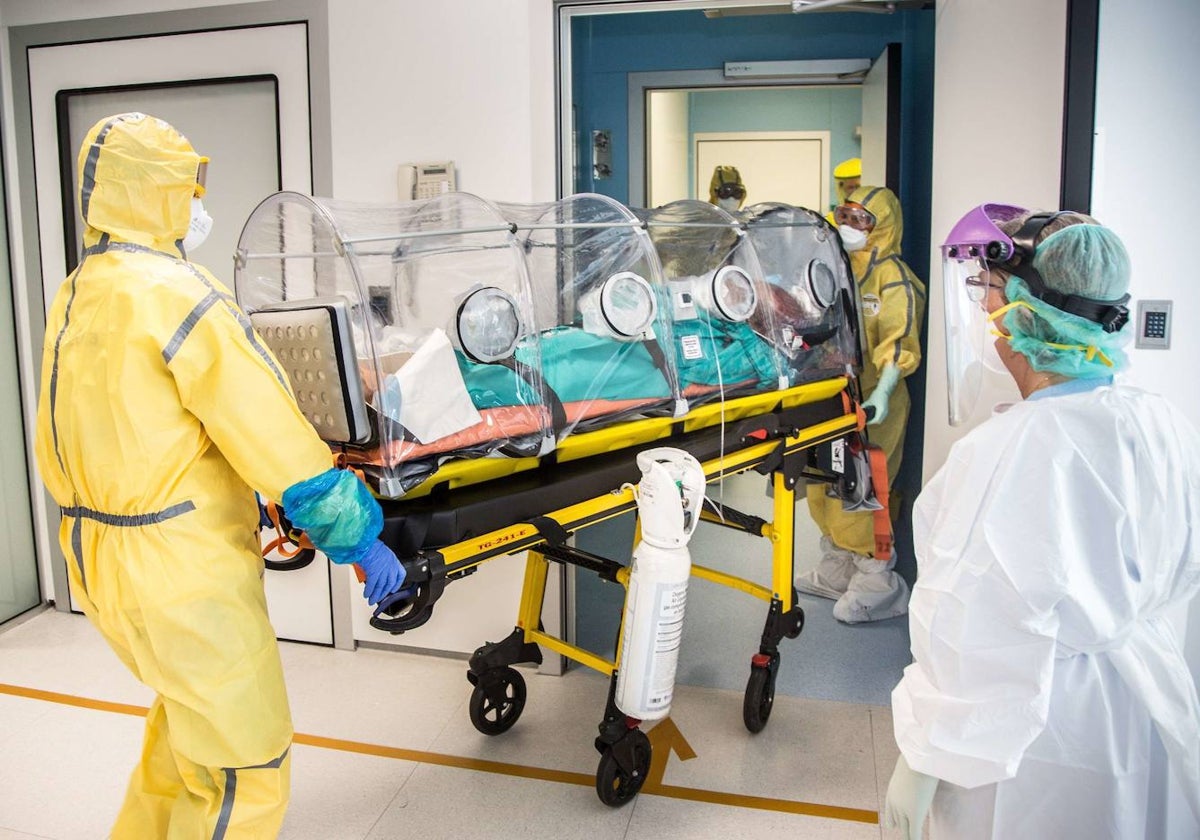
669,498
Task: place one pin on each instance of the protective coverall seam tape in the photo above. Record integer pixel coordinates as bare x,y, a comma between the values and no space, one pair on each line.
226,804
248,329
77,549
89,167
135,520
909,311
189,324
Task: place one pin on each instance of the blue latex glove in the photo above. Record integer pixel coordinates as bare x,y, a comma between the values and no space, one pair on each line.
909,795
385,573
882,394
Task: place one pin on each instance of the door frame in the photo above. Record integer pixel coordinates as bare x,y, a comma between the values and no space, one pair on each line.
22,202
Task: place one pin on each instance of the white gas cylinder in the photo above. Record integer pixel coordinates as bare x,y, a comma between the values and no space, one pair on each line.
669,497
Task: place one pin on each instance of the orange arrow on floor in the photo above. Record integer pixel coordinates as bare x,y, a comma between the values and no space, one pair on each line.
665,737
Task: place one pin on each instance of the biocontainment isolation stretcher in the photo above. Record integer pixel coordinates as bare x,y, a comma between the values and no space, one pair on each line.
547,346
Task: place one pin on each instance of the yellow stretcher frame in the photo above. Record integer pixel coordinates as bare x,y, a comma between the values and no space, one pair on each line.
625,752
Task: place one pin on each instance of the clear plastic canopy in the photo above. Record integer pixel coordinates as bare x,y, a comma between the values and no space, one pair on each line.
722,317
428,309
456,328
814,300
597,288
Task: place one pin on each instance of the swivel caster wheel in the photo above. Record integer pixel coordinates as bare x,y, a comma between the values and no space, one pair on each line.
760,692
497,701
617,784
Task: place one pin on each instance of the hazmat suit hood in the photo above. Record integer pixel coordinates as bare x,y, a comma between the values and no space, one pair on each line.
884,240
137,177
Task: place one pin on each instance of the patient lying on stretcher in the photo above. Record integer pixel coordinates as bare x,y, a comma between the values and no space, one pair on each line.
567,380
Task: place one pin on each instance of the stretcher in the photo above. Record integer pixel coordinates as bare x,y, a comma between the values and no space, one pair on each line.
445,536
734,340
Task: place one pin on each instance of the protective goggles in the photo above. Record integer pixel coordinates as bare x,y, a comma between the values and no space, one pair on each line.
731,189
202,178
854,215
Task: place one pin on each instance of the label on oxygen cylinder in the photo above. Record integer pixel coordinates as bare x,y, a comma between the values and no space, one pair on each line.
650,649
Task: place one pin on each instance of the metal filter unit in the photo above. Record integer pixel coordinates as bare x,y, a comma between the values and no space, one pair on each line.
312,342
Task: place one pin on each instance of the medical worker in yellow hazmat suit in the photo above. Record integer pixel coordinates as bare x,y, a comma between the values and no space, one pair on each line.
726,189
144,439
893,303
847,176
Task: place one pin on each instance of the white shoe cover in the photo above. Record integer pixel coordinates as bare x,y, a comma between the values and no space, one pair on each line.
832,574
874,592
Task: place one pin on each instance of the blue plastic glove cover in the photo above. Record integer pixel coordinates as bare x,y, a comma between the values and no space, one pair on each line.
385,574
337,512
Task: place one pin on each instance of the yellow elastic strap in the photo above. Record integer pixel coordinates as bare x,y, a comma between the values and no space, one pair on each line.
1091,351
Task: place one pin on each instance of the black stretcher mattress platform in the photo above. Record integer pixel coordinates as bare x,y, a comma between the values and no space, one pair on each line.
446,517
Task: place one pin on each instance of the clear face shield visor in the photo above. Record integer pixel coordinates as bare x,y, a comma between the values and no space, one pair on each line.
974,248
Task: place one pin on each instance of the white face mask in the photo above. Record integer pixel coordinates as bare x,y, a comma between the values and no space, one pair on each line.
729,205
853,239
991,356
199,228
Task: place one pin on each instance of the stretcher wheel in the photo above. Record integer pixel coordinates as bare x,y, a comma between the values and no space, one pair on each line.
760,696
616,785
497,701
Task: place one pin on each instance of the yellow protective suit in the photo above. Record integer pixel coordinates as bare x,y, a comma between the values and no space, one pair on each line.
160,409
893,303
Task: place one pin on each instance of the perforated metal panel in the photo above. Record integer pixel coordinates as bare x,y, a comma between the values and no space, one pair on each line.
312,342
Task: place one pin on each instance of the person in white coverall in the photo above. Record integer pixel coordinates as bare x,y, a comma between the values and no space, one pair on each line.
1048,696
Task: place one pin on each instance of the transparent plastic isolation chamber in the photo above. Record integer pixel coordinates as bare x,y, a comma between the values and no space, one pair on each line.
454,329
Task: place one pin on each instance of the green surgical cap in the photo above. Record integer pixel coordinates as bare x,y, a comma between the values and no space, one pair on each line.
1086,260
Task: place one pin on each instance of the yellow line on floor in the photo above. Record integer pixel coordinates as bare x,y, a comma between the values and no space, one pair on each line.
653,785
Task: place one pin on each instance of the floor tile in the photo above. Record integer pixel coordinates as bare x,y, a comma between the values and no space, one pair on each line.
810,751
70,779
340,795
378,696
63,652
18,715
6,834
442,803
660,818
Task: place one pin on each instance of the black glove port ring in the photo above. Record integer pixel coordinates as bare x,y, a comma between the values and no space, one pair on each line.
297,561
399,612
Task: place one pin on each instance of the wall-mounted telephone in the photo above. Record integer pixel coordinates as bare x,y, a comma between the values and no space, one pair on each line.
426,180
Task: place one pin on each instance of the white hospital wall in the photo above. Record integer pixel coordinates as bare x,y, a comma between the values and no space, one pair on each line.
1147,159
997,136
471,82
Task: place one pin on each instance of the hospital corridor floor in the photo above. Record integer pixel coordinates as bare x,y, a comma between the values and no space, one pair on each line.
385,750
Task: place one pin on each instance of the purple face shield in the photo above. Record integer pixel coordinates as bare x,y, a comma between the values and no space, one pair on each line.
974,246
977,236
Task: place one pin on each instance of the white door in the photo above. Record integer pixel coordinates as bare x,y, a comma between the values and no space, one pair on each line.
241,97
786,166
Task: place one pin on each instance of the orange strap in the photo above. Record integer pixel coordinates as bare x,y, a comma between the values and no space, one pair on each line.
882,517
289,544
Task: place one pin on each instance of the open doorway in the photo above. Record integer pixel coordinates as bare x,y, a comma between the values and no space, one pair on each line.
788,134
617,64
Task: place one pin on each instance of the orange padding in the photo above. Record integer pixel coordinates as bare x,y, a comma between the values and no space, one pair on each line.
510,421
882,517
